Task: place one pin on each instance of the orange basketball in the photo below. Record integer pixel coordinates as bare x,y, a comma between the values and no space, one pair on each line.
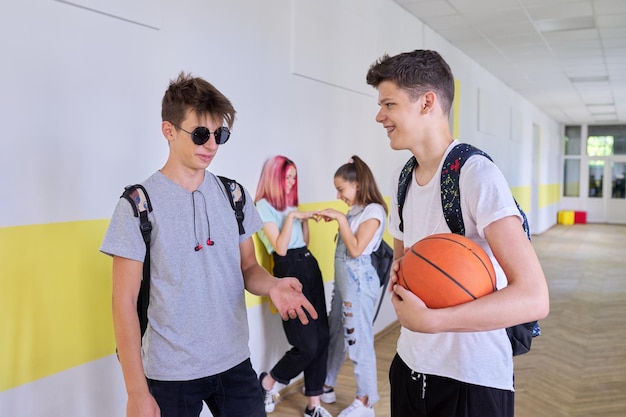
447,269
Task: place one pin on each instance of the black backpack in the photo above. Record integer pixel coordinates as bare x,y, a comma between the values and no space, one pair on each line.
139,200
382,258
520,335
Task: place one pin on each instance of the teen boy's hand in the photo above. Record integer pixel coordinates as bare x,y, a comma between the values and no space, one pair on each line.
411,311
289,300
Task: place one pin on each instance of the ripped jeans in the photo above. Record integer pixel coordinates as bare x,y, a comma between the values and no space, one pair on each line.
350,321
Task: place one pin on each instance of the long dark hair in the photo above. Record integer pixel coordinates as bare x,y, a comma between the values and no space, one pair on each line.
355,170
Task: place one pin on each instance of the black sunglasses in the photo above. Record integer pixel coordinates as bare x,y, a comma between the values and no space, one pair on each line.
201,135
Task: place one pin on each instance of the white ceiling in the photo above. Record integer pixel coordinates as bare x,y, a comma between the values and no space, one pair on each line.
568,57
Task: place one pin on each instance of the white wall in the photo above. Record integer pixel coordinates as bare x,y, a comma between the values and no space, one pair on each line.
80,108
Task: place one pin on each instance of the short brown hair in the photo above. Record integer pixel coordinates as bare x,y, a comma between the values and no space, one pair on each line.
194,94
416,72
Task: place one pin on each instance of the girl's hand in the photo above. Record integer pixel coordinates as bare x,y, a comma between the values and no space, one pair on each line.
304,215
329,214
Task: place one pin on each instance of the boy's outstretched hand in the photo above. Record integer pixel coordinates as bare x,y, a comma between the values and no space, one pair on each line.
289,300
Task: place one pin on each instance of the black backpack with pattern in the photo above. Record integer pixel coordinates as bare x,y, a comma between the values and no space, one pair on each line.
520,335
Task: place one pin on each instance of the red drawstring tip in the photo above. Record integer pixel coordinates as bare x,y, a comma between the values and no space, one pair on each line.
198,247
210,242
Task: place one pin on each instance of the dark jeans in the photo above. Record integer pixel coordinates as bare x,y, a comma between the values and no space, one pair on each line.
418,395
310,342
234,393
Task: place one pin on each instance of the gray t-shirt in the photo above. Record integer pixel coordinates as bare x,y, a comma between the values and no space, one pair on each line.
197,319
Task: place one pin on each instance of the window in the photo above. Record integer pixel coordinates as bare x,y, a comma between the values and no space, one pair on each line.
606,140
571,167
618,188
571,180
596,178
572,140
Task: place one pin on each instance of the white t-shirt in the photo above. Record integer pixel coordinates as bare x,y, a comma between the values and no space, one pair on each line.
480,358
360,214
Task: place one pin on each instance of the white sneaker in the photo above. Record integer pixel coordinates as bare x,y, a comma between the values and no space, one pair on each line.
318,411
357,409
270,396
328,396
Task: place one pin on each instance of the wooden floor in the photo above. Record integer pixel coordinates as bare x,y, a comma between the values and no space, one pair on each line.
577,367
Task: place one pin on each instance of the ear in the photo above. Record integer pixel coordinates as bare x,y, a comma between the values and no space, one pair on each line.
168,130
428,101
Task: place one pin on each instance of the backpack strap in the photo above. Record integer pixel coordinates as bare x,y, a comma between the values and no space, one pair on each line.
138,198
451,194
520,335
237,199
382,258
403,185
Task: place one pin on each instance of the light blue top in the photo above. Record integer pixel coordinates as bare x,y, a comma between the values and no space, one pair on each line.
270,215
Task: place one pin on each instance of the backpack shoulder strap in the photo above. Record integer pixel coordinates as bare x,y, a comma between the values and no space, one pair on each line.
138,198
522,334
403,185
450,192
237,199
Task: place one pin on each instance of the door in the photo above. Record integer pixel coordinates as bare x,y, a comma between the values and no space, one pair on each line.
605,168
616,191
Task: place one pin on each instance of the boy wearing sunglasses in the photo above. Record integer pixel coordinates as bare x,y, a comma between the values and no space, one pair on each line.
195,348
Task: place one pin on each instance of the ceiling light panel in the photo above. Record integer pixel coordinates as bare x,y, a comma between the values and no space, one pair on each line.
609,7
597,111
560,10
611,21
483,6
430,8
605,118
565,24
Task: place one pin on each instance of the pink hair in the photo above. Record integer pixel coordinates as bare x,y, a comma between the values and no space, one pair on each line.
273,182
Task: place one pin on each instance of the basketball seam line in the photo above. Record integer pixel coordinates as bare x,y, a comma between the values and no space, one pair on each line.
446,274
492,279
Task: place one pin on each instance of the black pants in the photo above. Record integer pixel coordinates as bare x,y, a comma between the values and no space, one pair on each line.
233,393
310,342
418,395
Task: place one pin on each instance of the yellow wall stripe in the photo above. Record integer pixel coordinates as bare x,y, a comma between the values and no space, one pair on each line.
56,299
55,310
522,195
549,194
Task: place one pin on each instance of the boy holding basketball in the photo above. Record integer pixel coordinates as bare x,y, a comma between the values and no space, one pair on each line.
458,359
